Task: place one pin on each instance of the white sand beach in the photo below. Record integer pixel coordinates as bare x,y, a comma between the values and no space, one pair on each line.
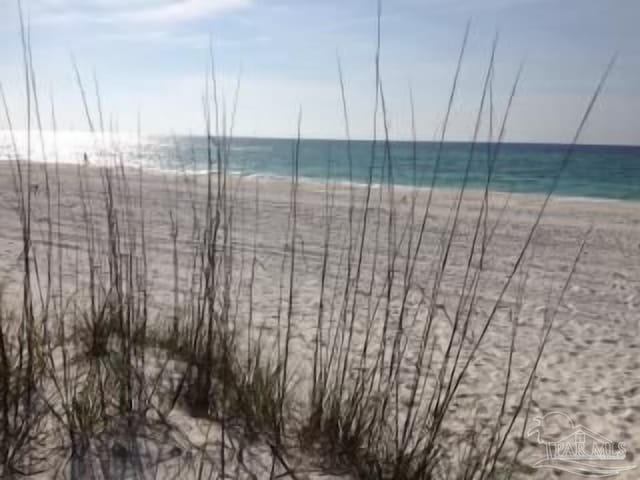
589,368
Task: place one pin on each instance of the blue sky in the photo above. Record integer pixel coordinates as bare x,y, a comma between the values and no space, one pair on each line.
150,56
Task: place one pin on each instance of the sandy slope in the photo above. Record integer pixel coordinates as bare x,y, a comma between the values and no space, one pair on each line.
590,368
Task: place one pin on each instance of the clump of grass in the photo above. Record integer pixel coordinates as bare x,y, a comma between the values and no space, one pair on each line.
22,412
256,396
362,422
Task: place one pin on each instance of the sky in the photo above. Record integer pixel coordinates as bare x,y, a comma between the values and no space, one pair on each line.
150,59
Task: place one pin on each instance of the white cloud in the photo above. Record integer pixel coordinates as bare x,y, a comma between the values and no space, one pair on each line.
180,10
139,11
166,37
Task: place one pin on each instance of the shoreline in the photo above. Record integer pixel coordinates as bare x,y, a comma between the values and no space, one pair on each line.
318,183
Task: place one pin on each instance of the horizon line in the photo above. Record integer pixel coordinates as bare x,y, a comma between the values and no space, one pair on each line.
322,138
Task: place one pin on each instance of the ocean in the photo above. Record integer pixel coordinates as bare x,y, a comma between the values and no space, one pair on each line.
593,171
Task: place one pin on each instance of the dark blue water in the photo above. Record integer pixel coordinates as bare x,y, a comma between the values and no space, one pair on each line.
599,171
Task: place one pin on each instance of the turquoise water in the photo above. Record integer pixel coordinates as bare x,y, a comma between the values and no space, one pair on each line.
598,171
